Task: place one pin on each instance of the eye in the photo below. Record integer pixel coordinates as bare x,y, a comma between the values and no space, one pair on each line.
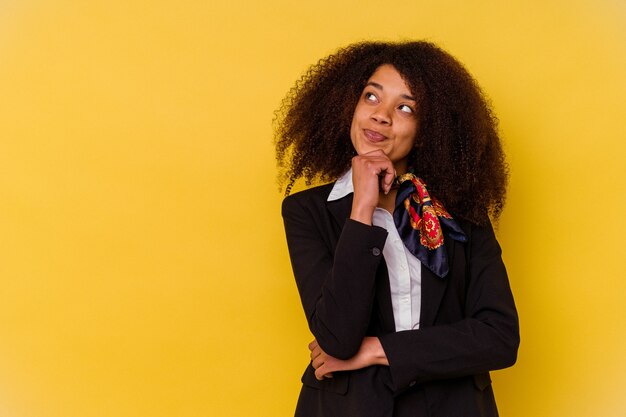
371,97
405,108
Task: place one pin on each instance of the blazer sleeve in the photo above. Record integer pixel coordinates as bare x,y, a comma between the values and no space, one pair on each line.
486,339
336,287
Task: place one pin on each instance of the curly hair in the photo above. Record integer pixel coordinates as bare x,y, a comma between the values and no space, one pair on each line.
457,150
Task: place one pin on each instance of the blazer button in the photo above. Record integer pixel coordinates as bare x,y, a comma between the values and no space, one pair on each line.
411,383
375,251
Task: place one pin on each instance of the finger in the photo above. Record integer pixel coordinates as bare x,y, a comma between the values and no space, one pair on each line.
324,371
378,156
315,353
313,344
379,167
373,167
317,362
375,152
388,178
319,373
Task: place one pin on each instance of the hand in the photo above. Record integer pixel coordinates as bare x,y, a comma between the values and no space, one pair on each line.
371,173
370,353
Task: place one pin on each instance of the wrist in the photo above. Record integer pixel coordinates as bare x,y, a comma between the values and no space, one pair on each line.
362,214
375,352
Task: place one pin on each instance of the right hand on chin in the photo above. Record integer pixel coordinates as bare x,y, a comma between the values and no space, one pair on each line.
372,173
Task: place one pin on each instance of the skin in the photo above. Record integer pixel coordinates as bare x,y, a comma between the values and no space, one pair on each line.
383,131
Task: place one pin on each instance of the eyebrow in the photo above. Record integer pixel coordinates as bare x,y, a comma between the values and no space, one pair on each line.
380,87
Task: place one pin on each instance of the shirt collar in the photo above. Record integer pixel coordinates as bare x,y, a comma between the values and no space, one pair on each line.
343,186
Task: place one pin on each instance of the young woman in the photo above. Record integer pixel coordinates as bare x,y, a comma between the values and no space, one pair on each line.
396,262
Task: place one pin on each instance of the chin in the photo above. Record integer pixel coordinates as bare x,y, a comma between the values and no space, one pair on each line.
368,147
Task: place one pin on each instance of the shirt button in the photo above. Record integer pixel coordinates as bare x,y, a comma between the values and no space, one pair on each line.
375,251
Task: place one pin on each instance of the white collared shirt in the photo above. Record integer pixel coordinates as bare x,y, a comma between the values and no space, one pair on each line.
405,273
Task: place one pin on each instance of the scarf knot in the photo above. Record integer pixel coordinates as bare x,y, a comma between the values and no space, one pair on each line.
421,221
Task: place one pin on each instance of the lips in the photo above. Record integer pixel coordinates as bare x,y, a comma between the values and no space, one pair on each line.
374,136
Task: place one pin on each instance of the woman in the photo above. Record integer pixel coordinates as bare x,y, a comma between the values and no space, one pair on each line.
396,262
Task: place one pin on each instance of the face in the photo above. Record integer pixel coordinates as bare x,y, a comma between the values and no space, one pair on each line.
385,117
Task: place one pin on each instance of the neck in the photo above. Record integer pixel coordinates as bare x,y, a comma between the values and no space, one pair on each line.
401,168
387,201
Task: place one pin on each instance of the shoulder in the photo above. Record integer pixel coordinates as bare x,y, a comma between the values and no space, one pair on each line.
482,240
484,227
312,197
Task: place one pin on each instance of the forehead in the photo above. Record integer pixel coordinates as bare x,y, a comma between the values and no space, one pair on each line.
387,78
389,73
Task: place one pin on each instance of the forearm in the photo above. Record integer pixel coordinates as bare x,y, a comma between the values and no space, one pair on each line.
336,285
449,351
370,353
343,311
374,352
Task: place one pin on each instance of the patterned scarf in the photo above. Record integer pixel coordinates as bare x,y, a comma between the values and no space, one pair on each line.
420,224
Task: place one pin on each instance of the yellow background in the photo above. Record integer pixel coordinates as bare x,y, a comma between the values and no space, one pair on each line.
142,260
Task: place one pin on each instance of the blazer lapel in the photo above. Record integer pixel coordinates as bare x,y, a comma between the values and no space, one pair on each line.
434,287
340,209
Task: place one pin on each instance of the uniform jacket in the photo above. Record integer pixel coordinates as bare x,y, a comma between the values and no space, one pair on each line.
468,323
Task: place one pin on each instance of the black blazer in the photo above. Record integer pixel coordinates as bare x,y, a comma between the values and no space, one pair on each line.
468,322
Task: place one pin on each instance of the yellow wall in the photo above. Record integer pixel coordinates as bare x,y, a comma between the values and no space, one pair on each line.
142,260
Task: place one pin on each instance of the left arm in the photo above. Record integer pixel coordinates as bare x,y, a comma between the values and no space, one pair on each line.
487,338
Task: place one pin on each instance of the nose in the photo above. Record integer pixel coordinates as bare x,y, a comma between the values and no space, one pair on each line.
381,115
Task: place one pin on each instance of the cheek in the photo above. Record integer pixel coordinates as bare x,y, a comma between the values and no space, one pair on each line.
409,137
407,147
354,128
412,133
404,148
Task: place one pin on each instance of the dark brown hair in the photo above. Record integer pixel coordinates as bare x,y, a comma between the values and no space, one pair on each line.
457,149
